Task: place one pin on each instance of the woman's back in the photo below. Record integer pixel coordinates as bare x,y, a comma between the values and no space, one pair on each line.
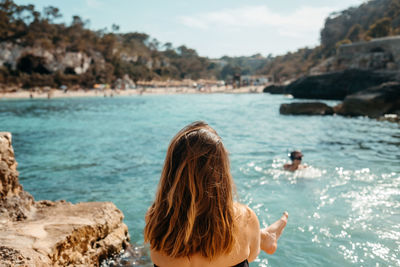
246,248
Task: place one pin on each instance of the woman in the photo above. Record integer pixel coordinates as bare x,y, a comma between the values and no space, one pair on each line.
194,220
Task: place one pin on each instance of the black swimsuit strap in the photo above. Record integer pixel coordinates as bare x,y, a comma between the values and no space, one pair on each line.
244,263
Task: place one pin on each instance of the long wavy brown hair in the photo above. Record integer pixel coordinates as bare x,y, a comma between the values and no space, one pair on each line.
193,208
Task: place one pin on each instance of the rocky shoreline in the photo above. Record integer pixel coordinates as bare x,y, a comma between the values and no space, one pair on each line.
47,233
364,75
374,94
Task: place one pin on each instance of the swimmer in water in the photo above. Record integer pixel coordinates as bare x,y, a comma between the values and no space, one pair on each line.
296,157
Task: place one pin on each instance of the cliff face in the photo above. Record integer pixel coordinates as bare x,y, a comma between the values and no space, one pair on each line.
378,54
46,61
46,233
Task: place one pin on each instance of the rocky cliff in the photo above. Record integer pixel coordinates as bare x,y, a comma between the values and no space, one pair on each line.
46,233
41,60
377,54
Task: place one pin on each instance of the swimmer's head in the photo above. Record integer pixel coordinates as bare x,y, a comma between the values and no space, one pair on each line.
295,155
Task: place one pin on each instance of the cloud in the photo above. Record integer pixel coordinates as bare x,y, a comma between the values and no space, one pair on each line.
305,20
93,3
193,22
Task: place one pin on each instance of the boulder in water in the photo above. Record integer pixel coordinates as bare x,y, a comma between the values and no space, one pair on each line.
373,102
306,108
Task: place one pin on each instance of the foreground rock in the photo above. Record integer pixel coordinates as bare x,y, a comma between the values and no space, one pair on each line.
15,203
306,108
47,233
374,102
338,85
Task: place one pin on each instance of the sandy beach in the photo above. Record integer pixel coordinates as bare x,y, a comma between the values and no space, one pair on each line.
55,93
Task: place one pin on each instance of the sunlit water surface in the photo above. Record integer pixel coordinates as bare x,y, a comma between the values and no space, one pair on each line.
344,209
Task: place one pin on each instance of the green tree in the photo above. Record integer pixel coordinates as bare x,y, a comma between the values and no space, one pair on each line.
51,13
186,52
115,28
168,46
12,19
228,71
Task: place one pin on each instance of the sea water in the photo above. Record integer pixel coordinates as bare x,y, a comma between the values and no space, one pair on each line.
344,209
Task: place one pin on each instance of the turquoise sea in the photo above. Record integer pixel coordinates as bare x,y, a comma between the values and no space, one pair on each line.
344,210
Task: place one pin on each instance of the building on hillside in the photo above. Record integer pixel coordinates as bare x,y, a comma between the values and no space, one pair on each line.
247,80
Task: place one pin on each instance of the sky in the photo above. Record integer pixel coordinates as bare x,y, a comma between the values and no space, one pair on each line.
213,28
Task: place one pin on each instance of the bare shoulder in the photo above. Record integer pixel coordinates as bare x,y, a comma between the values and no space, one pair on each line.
249,230
286,166
246,216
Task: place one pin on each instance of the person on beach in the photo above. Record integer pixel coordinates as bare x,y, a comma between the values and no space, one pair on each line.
194,220
296,157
